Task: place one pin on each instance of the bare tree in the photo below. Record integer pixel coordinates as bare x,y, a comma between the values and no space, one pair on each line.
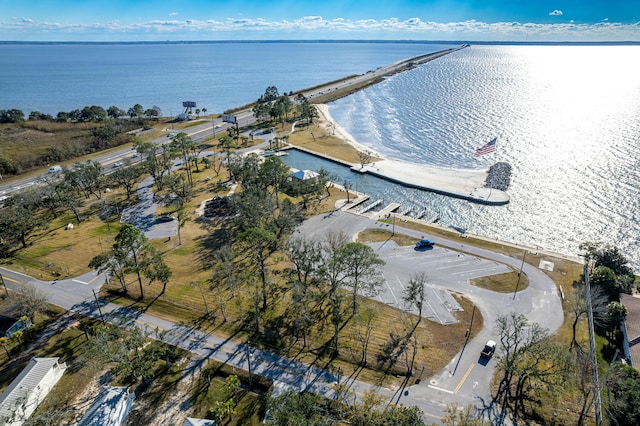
30,300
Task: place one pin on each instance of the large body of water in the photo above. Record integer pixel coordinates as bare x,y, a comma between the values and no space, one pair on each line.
567,118
62,77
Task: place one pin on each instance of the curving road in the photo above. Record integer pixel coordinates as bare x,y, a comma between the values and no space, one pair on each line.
465,380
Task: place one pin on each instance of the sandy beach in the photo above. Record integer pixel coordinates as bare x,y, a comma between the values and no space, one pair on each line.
461,183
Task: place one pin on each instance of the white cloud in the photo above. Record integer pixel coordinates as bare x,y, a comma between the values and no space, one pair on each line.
308,27
556,12
174,14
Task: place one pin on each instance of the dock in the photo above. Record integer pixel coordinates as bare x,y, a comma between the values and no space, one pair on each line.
386,211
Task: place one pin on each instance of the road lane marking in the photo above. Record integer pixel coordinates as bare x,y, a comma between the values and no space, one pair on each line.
79,282
441,389
94,278
11,279
464,378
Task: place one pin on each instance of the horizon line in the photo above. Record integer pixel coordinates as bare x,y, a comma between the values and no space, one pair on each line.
610,42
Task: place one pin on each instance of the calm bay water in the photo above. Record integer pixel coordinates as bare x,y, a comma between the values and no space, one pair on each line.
567,118
62,77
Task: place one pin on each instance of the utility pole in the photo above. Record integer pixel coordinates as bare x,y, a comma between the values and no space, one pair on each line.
4,284
592,346
393,232
524,254
249,355
98,304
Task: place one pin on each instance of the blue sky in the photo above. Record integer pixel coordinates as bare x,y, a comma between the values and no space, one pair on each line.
474,20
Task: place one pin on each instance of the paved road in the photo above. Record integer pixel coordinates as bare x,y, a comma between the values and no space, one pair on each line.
464,380
244,117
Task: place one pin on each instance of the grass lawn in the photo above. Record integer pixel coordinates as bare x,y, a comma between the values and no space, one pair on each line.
190,300
250,404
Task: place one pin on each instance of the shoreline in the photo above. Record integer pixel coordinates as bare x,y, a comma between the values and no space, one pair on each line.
467,184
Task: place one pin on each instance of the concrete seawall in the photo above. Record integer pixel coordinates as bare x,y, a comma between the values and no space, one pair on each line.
463,184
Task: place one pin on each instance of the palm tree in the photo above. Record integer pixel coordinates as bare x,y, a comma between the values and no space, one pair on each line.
4,341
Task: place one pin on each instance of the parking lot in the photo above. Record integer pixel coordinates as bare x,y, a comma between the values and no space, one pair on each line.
444,268
447,270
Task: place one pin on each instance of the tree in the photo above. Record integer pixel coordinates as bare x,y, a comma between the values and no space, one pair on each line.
467,416
414,295
157,270
578,304
4,341
179,193
103,136
529,362
30,300
115,264
363,327
115,112
226,144
129,350
617,313
274,173
261,244
364,157
293,408
182,145
11,116
86,178
126,177
18,223
623,395
607,255
226,407
605,278
333,271
136,111
306,255
362,273
132,244
270,94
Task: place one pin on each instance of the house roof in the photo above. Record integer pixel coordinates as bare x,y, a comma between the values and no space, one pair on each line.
109,408
632,324
305,174
26,382
198,422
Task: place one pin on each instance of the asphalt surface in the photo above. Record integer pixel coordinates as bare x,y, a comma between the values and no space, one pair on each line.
465,380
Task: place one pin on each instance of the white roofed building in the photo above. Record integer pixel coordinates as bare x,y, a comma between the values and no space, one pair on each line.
29,389
110,408
189,421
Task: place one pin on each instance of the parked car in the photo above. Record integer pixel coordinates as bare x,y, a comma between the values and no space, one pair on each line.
489,349
422,244
166,218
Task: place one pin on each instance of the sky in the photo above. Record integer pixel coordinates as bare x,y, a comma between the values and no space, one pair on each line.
452,20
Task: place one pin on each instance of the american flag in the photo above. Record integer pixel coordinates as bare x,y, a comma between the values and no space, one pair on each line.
487,148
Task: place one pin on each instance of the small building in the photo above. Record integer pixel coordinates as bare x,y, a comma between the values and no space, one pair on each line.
16,325
29,389
305,174
631,330
189,421
110,408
